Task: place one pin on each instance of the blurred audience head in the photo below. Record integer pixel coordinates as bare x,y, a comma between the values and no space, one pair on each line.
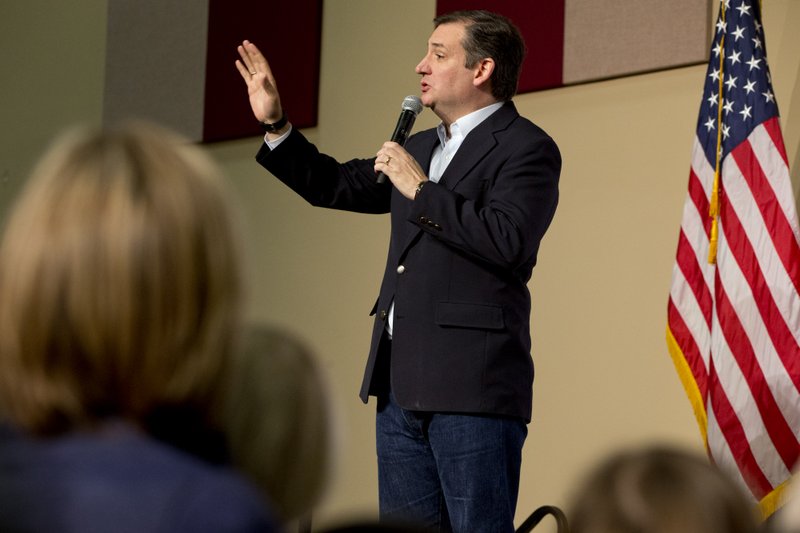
278,419
119,282
660,490
787,518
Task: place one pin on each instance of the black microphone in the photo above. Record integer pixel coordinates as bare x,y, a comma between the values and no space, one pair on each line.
412,106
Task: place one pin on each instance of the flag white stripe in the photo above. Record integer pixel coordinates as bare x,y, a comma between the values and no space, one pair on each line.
689,309
719,450
779,382
695,233
700,165
769,262
777,173
733,382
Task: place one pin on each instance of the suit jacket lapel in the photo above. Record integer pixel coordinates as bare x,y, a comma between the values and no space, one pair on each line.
478,143
430,141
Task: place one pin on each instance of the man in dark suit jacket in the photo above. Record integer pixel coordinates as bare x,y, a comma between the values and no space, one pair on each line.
470,201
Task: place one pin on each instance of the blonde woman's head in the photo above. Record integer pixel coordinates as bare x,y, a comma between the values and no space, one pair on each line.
119,281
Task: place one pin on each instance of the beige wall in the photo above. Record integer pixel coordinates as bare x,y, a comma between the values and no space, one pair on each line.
604,378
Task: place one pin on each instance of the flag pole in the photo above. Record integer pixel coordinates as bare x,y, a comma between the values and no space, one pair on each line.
713,208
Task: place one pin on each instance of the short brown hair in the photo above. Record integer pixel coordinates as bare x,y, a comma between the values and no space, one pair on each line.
119,281
488,34
660,489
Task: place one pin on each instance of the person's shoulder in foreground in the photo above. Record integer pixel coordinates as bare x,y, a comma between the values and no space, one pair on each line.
119,479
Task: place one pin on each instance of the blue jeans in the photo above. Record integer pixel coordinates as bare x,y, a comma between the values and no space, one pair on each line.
448,472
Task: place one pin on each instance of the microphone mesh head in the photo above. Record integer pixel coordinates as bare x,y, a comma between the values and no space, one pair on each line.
412,103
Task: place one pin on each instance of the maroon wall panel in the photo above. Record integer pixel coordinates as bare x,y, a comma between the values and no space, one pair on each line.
288,32
542,25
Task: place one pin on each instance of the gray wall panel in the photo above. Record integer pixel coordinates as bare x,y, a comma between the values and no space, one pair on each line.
609,38
155,62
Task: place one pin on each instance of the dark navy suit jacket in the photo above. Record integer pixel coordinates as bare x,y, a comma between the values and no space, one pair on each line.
460,257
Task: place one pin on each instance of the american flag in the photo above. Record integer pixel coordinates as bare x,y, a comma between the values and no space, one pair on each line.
734,311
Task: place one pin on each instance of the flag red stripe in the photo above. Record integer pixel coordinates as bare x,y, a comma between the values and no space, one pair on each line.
774,217
700,200
778,429
689,348
774,322
734,435
692,272
773,127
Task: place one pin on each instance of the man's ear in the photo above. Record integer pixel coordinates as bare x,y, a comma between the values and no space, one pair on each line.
483,71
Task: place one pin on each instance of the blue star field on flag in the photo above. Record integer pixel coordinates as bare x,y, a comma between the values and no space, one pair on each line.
739,59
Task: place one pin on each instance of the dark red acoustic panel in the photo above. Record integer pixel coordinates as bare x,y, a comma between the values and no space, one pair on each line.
542,25
288,32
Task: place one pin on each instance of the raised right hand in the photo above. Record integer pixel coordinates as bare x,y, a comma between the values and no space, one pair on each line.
261,87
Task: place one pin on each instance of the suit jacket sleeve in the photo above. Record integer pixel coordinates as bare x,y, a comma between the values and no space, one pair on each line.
321,180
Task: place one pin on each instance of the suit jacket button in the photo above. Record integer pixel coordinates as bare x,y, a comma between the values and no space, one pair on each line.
383,314
401,269
423,220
